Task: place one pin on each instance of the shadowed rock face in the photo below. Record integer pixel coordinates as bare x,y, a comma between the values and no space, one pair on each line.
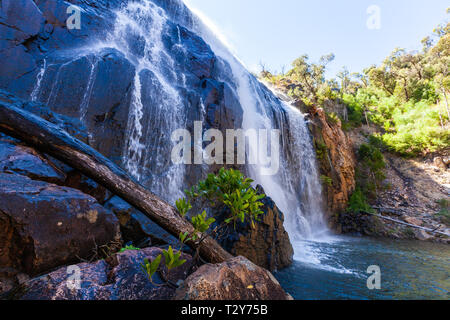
20,159
45,226
95,88
80,182
267,245
72,125
117,278
236,279
136,227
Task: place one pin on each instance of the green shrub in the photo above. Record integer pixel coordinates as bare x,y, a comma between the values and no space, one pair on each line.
358,203
150,268
321,150
418,129
229,188
376,140
372,158
355,109
172,259
370,171
444,212
326,180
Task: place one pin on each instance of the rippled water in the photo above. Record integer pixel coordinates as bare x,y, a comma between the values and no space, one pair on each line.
336,268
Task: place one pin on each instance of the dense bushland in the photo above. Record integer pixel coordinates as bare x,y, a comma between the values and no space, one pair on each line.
405,100
406,97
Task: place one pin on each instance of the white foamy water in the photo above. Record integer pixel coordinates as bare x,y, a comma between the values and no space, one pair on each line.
145,22
36,90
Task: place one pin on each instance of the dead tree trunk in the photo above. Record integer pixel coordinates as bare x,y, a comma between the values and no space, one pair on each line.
407,224
54,141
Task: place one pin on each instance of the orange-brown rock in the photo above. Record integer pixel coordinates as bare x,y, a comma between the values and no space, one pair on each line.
337,160
235,279
43,226
266,244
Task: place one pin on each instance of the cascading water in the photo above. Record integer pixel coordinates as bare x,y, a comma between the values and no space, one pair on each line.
85,102
144,22
160,93
138,33
134,131
35,93
295,188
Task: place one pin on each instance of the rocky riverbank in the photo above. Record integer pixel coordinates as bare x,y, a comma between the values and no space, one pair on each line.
54,218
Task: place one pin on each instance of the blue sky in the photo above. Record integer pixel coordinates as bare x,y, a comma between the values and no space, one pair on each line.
276,32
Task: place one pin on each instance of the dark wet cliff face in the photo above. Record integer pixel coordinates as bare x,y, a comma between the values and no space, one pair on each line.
132,75
136,72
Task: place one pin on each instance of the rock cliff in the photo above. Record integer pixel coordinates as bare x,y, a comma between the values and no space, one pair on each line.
123,89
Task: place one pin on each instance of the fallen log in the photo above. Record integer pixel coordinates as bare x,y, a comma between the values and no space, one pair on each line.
52,140
391,211
408,224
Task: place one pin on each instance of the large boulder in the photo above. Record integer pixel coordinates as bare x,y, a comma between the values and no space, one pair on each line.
20,159
44,226
12,13
267,244
119,277
236,279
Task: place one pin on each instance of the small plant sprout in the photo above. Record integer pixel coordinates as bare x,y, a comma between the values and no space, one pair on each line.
150,268
172,260
183,206
129,247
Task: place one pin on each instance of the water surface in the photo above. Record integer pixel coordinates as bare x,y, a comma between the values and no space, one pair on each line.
336,268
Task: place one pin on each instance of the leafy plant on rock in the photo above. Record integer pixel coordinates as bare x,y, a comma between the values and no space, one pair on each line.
229,189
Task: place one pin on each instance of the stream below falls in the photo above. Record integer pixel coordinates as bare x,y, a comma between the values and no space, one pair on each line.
336,268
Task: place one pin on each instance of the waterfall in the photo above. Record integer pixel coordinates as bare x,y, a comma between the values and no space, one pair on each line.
157,109
36,90
134,130
143,22
295,188
159,106
87,95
